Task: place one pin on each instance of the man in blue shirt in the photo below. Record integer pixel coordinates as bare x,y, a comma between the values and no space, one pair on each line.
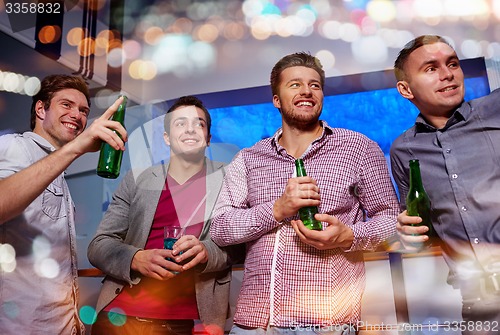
38,270
458,146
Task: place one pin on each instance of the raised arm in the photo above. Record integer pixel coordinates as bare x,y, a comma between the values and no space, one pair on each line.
29,183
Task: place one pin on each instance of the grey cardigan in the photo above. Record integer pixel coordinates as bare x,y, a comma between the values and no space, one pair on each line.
124,230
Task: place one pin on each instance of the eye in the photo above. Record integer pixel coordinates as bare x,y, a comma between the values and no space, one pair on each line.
294,85
180,124
430,69
316,86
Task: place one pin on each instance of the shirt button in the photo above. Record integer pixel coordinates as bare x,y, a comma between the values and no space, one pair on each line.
448,151
476,241
454,176
464,208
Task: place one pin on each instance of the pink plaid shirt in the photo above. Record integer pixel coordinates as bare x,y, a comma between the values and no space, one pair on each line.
286,282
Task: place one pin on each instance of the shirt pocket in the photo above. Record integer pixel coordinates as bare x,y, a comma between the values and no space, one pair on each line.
53,202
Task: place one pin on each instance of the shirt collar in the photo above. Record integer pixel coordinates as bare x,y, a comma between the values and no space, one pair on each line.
327,130
462,113
42,142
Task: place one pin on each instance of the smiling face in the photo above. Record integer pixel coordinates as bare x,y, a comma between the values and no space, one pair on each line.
188,132
434,80
65,119
300,97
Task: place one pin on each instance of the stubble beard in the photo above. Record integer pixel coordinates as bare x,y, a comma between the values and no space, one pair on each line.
301,122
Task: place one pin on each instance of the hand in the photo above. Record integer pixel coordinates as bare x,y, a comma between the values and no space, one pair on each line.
102,129
299,192
335,235
153,263
412,237
188,247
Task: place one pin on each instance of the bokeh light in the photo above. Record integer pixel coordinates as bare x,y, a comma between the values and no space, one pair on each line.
326,58
17,83
370,50
7,258
88,315
206,33
116,57
117,317
49,34
142,70
75,36
47,268
86,47
153,35
132,49
381,10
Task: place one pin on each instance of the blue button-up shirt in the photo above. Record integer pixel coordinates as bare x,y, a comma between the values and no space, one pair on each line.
460,168
38,270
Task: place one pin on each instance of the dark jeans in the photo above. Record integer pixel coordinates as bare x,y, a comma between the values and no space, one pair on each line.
118,324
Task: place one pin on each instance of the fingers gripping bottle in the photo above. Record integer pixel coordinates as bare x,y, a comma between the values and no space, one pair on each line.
417,200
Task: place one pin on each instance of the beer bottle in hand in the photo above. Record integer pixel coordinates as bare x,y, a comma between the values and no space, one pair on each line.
417,200
306,214
110,159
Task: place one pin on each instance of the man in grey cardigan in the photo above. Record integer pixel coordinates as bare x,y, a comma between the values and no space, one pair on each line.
148,288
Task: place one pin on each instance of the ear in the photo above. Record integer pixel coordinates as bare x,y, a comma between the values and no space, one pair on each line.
276,101
404,89
166,138
40,110
209,138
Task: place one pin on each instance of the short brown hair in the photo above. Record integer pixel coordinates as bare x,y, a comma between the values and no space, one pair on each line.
411,46
187,100
295,59
51,85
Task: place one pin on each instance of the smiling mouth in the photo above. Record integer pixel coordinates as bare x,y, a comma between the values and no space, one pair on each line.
447,89
304,103
70,126
190,141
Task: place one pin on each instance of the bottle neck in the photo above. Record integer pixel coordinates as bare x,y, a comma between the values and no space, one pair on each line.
299,167
415,178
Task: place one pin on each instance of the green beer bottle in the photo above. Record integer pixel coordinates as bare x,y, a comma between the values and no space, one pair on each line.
110,159
417,200
306,214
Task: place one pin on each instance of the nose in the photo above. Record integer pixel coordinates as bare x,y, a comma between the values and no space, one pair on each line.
446,73
189,128
306,90
75,113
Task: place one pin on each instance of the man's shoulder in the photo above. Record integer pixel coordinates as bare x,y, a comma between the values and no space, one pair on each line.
8,138
489,101
348,135
399,142
264,144
215,164
14,143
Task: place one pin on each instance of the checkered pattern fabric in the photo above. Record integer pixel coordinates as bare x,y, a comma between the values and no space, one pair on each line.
286,282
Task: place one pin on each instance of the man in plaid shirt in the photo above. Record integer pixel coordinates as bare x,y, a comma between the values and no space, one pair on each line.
296,279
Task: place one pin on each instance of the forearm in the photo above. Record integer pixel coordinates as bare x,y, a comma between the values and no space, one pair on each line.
232,226
112,256
30,182
370,234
